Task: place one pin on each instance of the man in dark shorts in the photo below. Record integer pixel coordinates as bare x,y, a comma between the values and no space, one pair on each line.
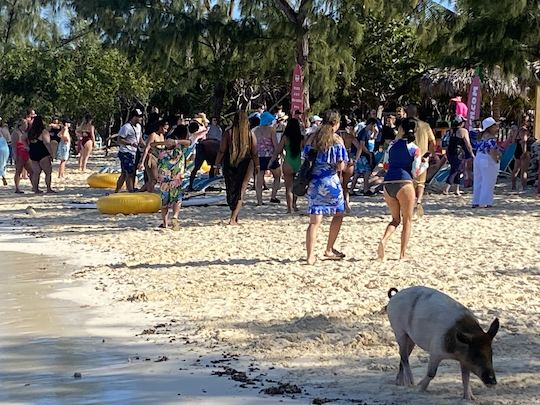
129,138
205,150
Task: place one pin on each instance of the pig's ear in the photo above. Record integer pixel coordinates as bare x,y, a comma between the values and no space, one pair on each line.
494,328
463,338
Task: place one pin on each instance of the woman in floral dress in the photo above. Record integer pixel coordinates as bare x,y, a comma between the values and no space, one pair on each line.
171,166
325,193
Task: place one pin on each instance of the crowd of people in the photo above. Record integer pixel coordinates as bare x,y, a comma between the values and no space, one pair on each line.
391,158
32,146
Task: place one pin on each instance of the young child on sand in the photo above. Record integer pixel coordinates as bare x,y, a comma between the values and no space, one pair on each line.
62,152
171,166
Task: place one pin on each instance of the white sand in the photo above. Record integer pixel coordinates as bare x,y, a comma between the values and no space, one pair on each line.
246,290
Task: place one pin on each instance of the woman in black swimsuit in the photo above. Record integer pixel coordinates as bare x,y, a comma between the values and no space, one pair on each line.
54,131
459,149
522,158
40,154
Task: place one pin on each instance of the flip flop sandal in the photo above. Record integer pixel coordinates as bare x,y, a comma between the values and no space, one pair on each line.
334,256
338,253
419,210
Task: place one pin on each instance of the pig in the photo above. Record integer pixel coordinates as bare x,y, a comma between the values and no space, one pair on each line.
446,330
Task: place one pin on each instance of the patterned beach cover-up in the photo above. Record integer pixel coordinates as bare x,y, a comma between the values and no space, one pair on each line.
171,165
325,195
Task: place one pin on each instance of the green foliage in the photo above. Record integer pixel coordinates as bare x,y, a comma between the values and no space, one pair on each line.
387,57
500,33
72,81
22,21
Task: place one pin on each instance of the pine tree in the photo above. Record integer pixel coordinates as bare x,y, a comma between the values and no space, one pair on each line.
486,33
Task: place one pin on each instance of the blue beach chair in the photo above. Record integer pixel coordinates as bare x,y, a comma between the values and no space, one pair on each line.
506,159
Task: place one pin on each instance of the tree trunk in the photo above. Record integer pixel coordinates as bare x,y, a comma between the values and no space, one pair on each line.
537,122
302,58
497,101
218,97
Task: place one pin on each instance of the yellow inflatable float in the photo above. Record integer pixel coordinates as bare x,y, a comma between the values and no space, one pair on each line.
103,180
205,168
129,203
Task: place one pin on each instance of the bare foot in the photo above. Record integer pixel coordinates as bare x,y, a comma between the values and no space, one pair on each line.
380,251
51,191
311,261
37,191
404,258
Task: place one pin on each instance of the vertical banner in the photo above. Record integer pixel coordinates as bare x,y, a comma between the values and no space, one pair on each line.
474,101
297,90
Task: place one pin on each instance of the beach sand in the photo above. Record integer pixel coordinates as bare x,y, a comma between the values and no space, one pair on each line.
246,290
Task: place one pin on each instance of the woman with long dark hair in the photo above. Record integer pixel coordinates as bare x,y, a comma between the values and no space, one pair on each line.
403,163
87,137
290,145
459,147
40,154
238,152
325,194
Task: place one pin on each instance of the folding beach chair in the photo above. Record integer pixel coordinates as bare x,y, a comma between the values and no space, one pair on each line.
506,159
438,181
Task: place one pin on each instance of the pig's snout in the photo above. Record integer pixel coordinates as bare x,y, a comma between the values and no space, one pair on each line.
488,378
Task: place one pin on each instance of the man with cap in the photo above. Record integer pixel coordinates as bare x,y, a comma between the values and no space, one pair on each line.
316,122
129,139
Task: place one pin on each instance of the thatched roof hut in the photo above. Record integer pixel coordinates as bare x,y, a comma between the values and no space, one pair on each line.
450,82
535,69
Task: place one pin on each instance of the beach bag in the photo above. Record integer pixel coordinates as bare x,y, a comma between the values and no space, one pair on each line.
303,177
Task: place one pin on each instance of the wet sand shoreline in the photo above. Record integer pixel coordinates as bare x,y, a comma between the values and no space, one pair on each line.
52,328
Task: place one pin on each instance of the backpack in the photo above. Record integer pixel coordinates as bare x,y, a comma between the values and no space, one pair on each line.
303,177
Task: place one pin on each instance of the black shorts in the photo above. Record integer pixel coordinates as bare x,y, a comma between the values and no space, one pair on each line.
264,161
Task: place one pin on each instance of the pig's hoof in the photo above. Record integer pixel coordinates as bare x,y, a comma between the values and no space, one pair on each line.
404,381
469,397
422,385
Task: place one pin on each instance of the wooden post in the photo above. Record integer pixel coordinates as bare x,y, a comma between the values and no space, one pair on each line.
537,116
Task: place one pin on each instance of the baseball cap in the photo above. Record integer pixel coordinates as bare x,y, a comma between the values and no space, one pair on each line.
316,118
136,113
488,122
267,119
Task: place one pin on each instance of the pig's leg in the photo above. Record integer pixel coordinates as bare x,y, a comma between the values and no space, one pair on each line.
433,365
406,346
465,376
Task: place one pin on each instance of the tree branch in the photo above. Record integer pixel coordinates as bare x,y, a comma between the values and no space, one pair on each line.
284,6
66,41
10,22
